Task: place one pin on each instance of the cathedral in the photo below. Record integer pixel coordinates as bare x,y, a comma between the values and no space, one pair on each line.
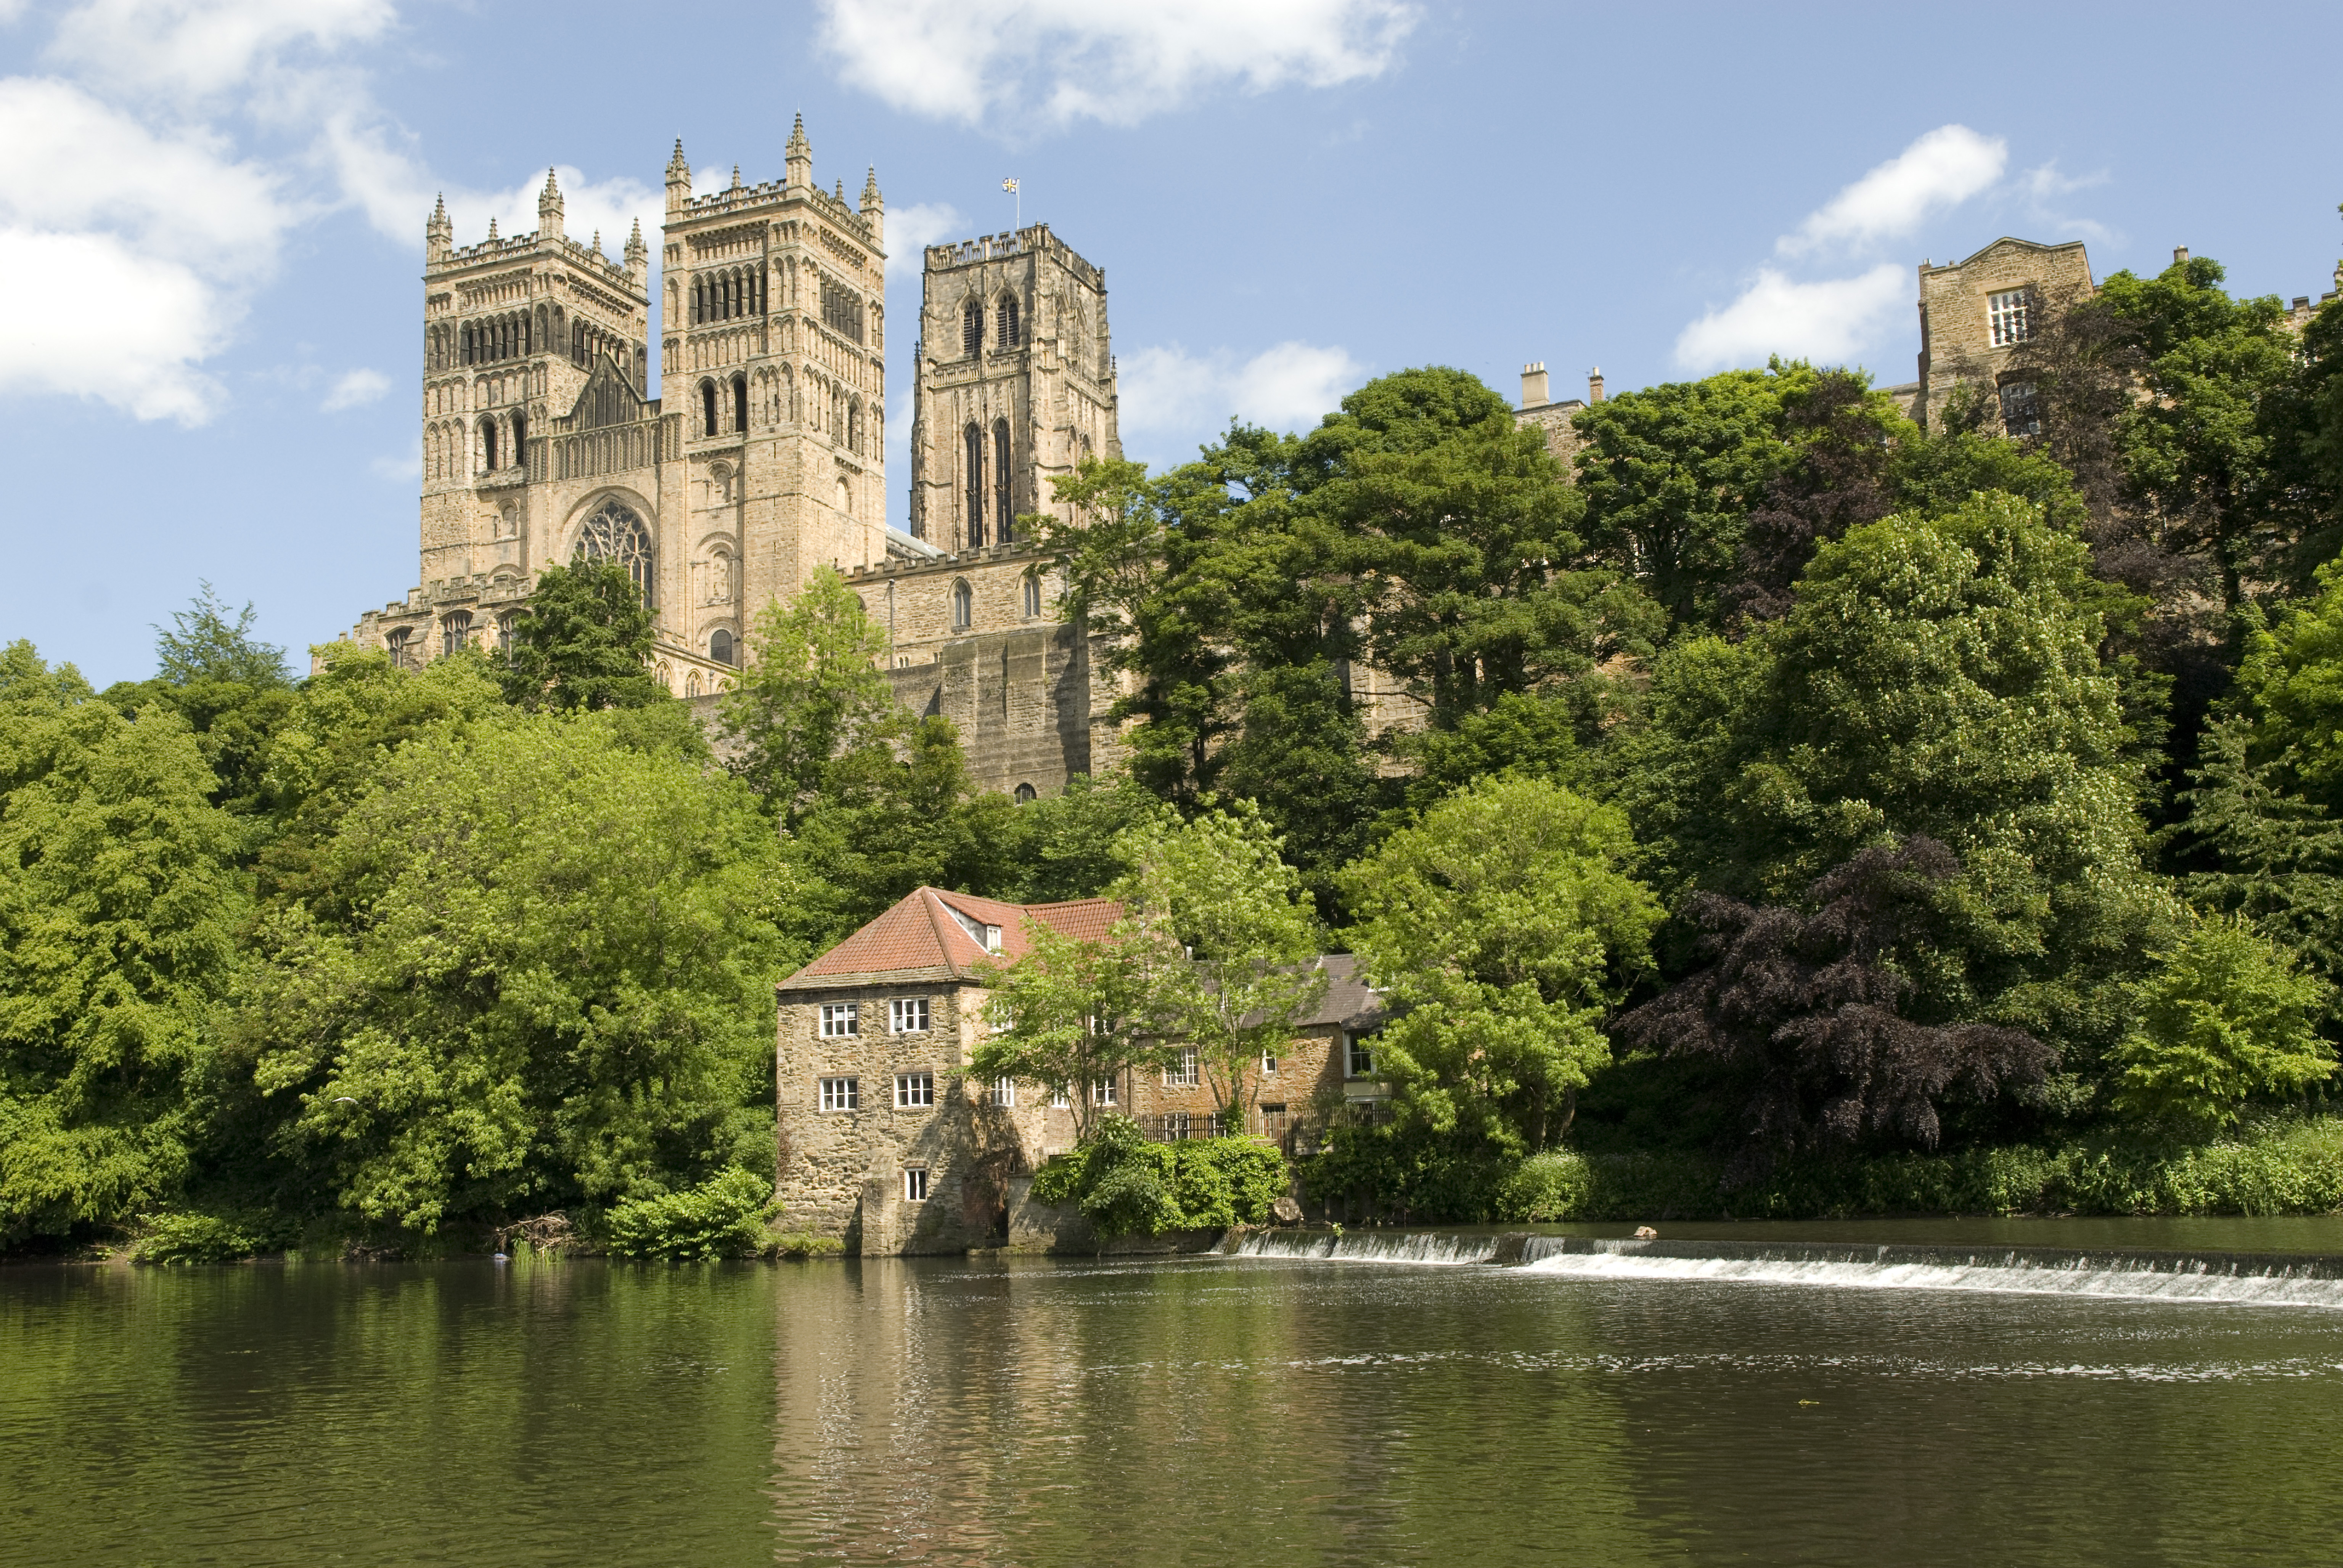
762,457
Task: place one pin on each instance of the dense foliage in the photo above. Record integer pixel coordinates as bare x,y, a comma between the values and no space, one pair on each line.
1777,807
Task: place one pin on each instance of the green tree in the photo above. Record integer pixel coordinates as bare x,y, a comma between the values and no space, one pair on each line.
1499,931
2278,857
232,689
583,642
117,930
1217,887
2290,689
549,980
1072,1013
1073,844
2229,1015
1670,473
813,690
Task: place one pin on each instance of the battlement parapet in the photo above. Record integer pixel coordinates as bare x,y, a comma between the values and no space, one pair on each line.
1035,240
951,561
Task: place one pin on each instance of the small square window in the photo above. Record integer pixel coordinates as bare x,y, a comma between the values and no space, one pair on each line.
907,1015
914,1090
915,1184
1268,1064
2008,318
1002,1093
1359,1060
840,1018
842,1094
1061,1098
2021,409
1103,1091
1181,1074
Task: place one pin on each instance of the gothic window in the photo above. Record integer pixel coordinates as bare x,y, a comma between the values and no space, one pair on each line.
719,646
488,444
455,631
2008,317
1006,334
1032,595
963,606
464,337
971,328
740,402
521,436
504,630
614,533
707,408
854,425
691,684
1026,794
1004,509
842,310
400,644
973,441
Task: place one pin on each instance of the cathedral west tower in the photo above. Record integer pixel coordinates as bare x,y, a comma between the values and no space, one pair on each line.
761,460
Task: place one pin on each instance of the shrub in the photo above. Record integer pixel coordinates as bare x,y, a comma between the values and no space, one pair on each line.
723,1217
191,1238
1125,1185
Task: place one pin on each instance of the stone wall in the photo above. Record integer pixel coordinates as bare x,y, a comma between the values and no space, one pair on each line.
1956,336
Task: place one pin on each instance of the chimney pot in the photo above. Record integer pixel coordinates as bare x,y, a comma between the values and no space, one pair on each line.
2179,253
1594,385
1534,392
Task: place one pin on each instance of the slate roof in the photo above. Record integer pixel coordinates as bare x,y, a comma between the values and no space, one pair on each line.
920,940
1350,1002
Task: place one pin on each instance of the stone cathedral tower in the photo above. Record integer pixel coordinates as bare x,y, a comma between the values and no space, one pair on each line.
761,460
1016,383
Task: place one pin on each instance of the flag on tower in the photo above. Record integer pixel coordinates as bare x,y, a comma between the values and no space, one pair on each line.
1009,185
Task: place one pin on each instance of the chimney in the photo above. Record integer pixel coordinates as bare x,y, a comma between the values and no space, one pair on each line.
2179,253
1533,387
1594,385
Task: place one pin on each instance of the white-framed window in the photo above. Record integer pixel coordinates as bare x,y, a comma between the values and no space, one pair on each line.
915,1184
907,1015
1181,1074
1002,1093
1358,1055
1003,1018
914,1090
842,1094
1268,1064
1060,1097
841,1018
1103,1091
2006,317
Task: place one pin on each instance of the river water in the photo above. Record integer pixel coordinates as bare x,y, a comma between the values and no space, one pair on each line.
2013,1394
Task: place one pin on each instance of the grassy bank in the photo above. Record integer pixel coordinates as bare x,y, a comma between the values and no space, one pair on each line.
2284,1165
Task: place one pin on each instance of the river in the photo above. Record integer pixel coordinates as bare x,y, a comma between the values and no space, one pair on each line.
2012,1392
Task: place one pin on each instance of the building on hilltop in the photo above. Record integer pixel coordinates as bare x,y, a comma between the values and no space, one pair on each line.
1555,419
761,457
884,1141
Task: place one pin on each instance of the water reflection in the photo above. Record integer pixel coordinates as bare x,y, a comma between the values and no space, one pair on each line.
1139,1413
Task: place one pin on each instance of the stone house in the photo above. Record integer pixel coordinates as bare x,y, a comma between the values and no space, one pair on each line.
885,1141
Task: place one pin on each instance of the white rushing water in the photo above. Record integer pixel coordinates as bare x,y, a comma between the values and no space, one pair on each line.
1372,1246
2112,1279
2210,1278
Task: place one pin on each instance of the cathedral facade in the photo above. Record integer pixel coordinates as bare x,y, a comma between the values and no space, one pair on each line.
762,457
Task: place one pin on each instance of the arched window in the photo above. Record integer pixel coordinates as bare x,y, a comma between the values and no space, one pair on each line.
1025,793
973,439
614,533
1032,595
854,425
521,436
505,631
455,631
465,342
971,328
1006,333
488,444
400,644
1004,509
707,408
719,646
740,402
691,684
963,606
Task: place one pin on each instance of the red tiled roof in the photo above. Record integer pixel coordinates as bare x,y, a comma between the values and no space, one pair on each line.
920,940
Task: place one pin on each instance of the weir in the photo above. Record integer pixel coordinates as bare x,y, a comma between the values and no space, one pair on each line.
2231,1278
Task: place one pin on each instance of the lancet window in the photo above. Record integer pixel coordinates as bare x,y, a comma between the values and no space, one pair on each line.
1004,510
1005,334
615,533
973,438
971,328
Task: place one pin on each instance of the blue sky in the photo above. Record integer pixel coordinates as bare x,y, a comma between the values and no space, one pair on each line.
211,212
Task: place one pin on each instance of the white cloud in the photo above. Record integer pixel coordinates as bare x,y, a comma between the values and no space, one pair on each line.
1172,395
408,469
87,315
1065,60
911,229
193,48
355,388
1829,322
1941,169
